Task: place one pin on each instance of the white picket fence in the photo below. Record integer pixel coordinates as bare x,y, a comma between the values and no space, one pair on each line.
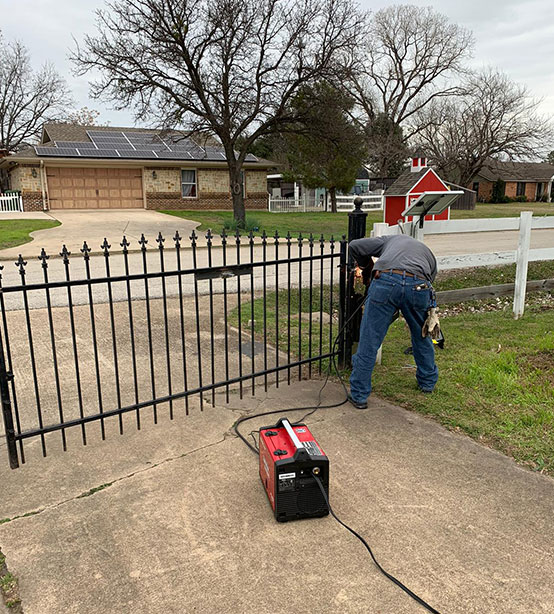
302,204
10,203
522,256
308,203
370,202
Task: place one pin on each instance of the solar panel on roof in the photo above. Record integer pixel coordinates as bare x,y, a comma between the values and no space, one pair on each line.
151,147
146,155
57,151
174,155
78,144
110,139
101,153
142,137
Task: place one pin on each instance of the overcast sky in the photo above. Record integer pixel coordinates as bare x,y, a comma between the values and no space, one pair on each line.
517,37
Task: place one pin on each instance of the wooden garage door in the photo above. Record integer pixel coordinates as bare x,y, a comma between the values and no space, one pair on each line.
95,188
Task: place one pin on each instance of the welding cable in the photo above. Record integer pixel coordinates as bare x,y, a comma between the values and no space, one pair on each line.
313,408
385,573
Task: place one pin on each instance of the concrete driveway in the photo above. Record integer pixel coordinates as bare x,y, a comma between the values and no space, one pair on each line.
173,519
93,226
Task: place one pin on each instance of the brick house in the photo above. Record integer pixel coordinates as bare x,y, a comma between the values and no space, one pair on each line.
534,180
99,167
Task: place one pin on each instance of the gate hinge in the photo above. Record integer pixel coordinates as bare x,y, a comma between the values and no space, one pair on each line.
9,376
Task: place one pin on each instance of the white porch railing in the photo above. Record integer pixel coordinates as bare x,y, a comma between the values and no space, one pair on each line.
10,202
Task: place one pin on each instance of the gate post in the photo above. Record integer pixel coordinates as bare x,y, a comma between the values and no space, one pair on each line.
6,403
343,274
357,220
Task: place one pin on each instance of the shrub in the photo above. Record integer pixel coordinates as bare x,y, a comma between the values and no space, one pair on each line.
251,224
499,192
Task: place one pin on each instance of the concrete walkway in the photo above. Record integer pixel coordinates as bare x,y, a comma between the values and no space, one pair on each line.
173,519
93,226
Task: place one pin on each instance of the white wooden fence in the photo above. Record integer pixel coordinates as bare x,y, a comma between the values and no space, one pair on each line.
371,201
10,202
302,204
522,256
307,203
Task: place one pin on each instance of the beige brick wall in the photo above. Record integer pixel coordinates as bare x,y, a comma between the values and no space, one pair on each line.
167,180
213,181
256,181
21,178
209,181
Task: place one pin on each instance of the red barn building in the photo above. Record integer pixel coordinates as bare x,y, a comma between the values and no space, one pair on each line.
408,187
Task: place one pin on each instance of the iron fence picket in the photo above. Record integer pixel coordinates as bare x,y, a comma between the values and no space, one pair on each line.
44,260
106,250
65,258
193,238
177,239
125,245
160,241
86,255
9,401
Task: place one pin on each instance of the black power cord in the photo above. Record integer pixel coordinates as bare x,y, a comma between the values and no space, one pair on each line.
385,573
313,409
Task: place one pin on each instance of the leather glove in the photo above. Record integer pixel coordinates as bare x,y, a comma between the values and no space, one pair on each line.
431,327
358,286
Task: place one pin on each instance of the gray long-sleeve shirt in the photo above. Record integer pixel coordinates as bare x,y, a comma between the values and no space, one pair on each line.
396,252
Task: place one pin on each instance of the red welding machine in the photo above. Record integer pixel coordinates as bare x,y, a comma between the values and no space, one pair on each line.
290,457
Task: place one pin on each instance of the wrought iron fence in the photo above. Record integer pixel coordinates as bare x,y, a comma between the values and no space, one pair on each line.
89,342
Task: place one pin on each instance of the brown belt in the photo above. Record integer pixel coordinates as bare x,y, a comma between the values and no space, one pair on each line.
397,271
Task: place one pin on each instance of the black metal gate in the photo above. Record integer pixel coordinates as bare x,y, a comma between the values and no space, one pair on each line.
119,337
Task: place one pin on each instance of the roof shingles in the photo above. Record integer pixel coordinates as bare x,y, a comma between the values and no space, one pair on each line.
517,171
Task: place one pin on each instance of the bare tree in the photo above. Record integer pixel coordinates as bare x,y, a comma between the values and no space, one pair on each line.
27,98
229,67
495,117
83,117
408,60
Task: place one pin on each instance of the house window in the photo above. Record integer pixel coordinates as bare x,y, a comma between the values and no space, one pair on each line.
540,187
475,188
520,190
188,183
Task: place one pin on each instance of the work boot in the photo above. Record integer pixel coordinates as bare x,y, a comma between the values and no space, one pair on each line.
357,404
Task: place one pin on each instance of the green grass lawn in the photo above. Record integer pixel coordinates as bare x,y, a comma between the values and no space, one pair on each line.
335,224
496,376
16,232
492,275
502,210
496,381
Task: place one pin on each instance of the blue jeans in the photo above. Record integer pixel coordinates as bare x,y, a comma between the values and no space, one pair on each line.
387,294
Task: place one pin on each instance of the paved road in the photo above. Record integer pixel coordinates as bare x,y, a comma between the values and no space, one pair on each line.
442,245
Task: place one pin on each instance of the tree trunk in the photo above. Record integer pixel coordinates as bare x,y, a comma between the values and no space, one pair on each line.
333,193
237,195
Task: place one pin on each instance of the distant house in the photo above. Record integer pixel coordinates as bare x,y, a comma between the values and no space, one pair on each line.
101,167
532,180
